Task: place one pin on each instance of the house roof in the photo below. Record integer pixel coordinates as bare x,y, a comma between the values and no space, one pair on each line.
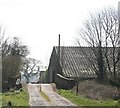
75,63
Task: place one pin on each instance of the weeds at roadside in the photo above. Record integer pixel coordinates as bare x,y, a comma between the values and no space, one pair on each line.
82,101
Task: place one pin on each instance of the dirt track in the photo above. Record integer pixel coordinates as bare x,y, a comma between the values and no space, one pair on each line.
34,96
37,100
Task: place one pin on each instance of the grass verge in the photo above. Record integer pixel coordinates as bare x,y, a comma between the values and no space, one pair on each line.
16,98
82,101
0,100
44,96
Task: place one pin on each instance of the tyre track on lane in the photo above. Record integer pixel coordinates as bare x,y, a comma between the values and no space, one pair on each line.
35,99
56,100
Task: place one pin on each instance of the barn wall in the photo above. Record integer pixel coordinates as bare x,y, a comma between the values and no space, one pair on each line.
51,66
63,82
54,67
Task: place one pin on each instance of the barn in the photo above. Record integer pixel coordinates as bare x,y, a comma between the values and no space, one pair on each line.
70,64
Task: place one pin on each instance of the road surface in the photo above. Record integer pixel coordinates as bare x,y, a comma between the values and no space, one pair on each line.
37,100
34,96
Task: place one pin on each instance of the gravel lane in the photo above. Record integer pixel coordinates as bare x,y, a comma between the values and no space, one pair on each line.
34,96
56,100
35,99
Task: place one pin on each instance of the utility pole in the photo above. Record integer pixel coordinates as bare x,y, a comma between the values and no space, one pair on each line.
119,39
119,18
39,77
59,48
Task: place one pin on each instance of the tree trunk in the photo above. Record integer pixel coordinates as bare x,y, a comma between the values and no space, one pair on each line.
101,66
11,82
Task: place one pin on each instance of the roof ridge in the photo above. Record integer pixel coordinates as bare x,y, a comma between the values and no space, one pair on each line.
74,46
78,47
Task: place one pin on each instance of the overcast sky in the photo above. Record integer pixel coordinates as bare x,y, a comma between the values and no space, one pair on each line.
38,22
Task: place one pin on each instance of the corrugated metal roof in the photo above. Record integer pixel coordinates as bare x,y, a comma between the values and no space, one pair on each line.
74,61
81,61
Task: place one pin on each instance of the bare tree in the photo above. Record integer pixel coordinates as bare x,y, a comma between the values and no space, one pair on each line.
111,27
101,33
31,67
93,35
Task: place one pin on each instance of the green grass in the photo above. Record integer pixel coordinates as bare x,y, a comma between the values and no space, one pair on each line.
17,99
0,100
82,101
44,96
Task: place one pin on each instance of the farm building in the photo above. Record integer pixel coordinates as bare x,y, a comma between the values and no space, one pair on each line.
68,64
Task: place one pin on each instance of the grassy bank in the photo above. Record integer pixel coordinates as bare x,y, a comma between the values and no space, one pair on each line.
44,96
82,101
17,98
0,100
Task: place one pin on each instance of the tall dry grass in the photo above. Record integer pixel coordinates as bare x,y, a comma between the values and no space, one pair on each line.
94,90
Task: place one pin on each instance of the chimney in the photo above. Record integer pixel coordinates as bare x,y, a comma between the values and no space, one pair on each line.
59,48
